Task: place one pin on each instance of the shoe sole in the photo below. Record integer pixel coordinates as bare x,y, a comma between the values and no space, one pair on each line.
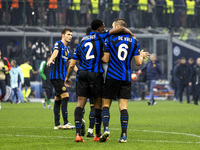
123,141
104,137
67,128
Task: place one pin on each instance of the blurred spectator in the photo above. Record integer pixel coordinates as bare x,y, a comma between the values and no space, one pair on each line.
183,73
197,13
51,8
2,10
197,83
35,13
178,8
169,13
102,7
175,81
28,53
159,13
15,72
66,4
13,51
114,10
142,9
190,12
4,67
14,13
133,13
153,72
94,9
39,54
29,12
193,78
151,5
83,12
76,12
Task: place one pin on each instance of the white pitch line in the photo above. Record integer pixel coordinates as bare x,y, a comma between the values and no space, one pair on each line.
36,136
163,132
63,137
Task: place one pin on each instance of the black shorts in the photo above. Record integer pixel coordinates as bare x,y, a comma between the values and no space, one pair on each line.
89,84
117,89
59,86
26,82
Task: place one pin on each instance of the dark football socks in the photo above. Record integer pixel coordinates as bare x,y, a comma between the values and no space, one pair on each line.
57,112
105,117
78,119
124,122
98,121
64,109
92,117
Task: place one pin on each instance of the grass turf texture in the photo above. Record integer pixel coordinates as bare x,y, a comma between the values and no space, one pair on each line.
167,125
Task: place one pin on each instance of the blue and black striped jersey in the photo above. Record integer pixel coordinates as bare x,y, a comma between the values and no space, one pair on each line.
59,68
122,48
90,51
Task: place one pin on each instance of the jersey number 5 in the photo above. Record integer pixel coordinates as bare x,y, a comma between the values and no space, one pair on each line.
88,54
122,49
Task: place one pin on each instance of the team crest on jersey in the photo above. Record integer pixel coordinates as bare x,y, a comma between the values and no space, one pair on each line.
154,65
63,88
66,53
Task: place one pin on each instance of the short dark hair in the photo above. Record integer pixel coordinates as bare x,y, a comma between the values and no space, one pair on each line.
88,30
121,22
182,58
26,60
96,23
65,30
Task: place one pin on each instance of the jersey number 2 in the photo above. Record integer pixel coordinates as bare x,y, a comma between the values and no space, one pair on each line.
88,56
122,49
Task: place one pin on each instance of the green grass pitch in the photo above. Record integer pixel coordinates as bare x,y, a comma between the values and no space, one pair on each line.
167,125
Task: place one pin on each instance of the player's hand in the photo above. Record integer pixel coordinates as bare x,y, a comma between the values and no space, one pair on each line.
67,82
144,54
190,83
139,72
50,62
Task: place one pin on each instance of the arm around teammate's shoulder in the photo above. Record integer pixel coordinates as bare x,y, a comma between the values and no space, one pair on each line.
121,30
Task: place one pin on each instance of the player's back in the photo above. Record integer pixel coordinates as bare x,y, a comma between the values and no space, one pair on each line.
89,52
122,48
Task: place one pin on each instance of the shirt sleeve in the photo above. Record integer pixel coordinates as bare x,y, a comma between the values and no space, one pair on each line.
104,34
41,70
137,50
21,75
31,68
76,54
56,46
106,46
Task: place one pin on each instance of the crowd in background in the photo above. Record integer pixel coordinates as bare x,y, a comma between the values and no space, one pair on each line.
137,13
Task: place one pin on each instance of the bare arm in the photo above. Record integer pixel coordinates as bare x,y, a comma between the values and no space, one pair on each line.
106,57
75,67
121,29
139,58
69,71
53,56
